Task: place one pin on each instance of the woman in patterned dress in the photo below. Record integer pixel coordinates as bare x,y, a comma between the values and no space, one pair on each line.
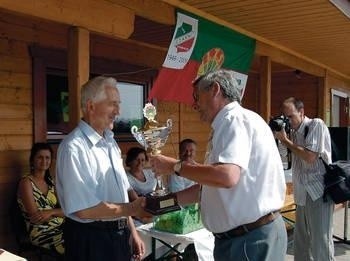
38,202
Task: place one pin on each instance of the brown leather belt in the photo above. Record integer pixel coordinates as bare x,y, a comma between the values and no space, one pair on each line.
243,229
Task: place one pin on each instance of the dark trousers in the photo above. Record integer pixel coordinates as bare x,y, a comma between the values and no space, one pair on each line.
89,242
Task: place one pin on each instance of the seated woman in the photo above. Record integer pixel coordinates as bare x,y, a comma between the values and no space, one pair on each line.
141,180
38,202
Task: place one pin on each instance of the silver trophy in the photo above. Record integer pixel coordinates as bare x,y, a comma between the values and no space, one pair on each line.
152,137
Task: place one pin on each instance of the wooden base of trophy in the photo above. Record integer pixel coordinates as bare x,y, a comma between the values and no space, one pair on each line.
161,204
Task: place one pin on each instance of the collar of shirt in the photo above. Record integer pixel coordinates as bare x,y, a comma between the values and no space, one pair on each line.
302,126
92,135
217,120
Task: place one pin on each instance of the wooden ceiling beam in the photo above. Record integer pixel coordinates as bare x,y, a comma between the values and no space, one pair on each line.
153,10
97,16
290,60
141,54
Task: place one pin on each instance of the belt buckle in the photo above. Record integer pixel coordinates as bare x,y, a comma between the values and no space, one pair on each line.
121,223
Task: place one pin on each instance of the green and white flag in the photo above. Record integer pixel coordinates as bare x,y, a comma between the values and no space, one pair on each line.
200,46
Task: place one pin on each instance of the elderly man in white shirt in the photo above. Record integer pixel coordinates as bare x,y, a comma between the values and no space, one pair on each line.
92,185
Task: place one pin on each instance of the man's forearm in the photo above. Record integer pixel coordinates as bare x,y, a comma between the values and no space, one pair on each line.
300,151
189,195
106,211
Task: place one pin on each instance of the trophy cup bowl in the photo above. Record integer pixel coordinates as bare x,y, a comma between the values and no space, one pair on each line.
152,138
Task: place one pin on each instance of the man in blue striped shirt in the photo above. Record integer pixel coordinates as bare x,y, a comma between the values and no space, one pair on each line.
309,140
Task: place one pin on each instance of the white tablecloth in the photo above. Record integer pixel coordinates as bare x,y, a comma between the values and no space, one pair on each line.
203,240
7,256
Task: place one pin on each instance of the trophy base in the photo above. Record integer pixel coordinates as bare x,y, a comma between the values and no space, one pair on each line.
160,204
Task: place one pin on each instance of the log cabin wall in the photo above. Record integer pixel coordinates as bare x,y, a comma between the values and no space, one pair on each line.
16,129
284,85
304,87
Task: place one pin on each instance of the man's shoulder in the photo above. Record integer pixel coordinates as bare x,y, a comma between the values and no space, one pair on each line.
75,139
317,123
316,126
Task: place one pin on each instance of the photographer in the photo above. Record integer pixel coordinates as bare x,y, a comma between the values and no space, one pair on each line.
309,140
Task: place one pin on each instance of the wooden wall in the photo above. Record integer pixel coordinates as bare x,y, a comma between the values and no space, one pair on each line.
16,116
286,84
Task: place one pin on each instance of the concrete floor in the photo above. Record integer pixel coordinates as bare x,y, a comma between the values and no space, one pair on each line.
342,250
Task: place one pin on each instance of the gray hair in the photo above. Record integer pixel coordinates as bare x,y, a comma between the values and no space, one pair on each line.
229,85
94,90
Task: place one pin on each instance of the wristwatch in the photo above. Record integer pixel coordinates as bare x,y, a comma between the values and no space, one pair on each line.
178,167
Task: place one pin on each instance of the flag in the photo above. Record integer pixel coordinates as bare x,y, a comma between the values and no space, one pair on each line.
199,46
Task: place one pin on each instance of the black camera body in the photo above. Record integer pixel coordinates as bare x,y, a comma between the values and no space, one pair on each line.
277,123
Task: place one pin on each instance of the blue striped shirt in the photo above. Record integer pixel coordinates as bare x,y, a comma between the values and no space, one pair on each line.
313,135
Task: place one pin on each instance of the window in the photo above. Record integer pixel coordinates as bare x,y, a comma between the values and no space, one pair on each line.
57,103
132,102
132,97
50,93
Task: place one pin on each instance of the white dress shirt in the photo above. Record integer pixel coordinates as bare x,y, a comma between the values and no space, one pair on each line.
243,138
89,170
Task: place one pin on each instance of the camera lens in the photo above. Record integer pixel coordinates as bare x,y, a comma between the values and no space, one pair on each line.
279,122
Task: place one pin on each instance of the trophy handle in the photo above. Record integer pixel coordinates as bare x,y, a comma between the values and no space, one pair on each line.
169,123
134,129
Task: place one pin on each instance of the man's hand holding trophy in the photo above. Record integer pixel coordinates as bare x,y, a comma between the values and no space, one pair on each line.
152,137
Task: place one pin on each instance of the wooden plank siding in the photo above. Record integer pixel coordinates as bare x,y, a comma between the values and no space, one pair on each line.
16,106
286,85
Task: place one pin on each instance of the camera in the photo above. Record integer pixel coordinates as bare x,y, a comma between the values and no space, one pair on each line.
277,123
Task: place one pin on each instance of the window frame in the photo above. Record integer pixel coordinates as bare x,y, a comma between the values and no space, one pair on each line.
45,59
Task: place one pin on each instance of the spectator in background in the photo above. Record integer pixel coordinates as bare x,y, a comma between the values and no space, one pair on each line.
92,185
187,153
37,199
310,139
142,180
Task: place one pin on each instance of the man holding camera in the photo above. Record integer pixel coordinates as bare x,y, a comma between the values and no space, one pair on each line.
309,140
